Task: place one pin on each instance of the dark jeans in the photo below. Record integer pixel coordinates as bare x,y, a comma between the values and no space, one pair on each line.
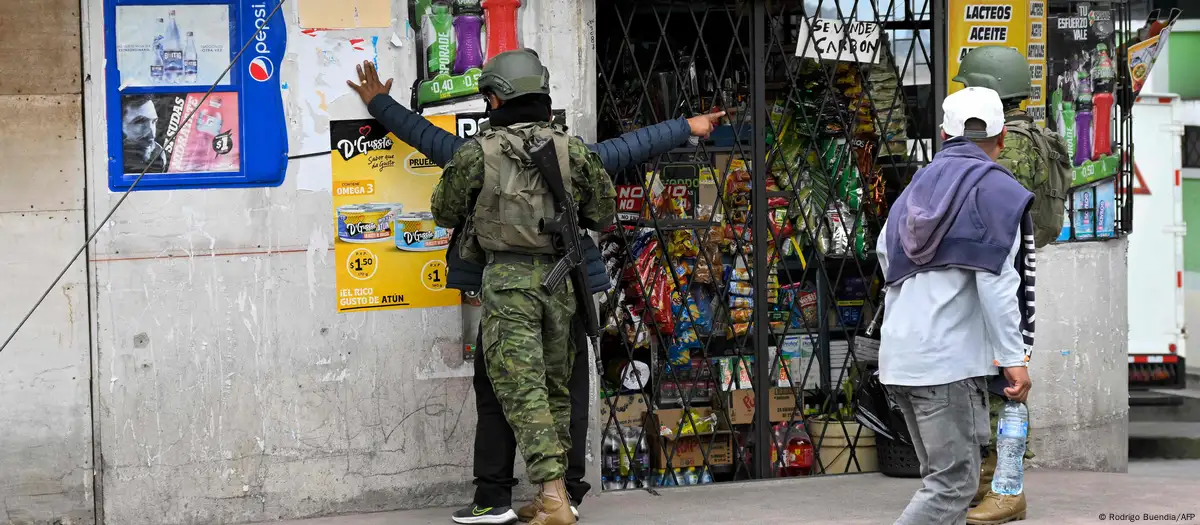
496,446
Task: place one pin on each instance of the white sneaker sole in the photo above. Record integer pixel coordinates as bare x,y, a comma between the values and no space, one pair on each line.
503,519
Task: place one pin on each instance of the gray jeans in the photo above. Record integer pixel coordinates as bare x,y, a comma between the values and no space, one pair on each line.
949,424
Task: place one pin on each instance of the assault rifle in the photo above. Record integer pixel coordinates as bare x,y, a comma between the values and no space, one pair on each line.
565,226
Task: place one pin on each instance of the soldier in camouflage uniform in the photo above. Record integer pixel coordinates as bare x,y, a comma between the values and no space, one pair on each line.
490,189
1006,71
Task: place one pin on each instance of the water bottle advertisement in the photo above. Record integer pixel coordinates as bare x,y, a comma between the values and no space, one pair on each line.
1082,79
161,59
173,45
455,37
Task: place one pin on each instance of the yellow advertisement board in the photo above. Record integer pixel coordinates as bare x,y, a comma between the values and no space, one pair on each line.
975,23
389,254
1036,54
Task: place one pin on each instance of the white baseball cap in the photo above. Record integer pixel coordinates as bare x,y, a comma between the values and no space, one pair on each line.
973,102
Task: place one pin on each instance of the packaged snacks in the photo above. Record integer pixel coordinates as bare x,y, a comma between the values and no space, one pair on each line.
736,274
741,302
660,303
683,244
683,270
738,329
740,288
686,311
679,355
740,315
704,318
732,375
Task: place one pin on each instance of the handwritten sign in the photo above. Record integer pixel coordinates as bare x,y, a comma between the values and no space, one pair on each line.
845,41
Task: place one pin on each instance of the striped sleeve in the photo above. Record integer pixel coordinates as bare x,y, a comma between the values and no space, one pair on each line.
1027,267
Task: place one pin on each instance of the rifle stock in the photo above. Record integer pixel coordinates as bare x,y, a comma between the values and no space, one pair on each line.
565,227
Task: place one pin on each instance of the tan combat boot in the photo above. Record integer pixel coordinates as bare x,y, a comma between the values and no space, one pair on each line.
525,514
985,478
552,506
996,509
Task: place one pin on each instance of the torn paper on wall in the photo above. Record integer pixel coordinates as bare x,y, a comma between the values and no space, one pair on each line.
324,62
345,14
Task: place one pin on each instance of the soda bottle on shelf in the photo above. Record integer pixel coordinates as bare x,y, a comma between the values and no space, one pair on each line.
799,454
172,51
156,67
705,476
1009,479
609,453
643,453
191,64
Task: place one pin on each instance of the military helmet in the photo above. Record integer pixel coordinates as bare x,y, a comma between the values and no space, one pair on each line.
515,73
1000,68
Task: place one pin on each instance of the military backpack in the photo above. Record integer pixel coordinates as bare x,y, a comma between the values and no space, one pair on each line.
514,197
1050,180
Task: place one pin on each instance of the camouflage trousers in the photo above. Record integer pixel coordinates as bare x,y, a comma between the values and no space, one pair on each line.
529,353
995,406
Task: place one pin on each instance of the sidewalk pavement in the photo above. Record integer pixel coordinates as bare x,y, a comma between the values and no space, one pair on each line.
1055,497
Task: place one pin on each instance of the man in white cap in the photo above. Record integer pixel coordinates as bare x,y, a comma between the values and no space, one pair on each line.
953,257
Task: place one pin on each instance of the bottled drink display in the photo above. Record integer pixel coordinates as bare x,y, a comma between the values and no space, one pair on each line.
439,27
172,52
190,62
625,459
200,152
501,25
467,30
1009,478
156,68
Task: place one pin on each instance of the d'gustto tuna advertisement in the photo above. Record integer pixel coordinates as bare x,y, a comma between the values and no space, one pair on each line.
389,252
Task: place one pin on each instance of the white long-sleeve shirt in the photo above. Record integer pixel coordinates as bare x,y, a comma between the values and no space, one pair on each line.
942,326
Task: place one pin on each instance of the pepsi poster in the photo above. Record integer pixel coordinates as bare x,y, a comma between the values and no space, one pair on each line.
161,59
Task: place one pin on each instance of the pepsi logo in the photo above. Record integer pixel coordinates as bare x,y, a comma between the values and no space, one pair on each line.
261,69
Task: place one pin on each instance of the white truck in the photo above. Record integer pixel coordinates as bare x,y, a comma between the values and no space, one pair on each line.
1157,330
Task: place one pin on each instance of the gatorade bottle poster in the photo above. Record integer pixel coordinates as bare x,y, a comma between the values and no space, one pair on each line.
974,23
1081,88
389,253
455,37
172,45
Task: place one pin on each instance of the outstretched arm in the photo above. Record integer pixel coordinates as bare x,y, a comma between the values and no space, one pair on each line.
440,145
643,144
433,142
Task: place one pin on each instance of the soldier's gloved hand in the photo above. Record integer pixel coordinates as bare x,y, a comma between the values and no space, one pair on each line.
702,125
369,86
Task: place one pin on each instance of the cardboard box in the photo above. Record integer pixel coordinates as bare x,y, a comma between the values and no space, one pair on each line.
783,406
687,451
630,409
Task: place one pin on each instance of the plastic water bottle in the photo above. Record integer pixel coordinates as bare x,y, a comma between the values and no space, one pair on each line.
156,67
172,51
190,60
1009,479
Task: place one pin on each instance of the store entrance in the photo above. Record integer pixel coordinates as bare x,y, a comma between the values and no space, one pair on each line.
744,265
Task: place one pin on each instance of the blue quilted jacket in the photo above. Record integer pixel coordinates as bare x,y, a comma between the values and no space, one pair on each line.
439,145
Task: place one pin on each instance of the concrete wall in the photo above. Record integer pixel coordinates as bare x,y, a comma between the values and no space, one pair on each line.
1079,405
45,441
230,391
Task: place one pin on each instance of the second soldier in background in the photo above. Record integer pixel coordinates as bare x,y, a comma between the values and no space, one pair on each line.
1038,160
491,190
